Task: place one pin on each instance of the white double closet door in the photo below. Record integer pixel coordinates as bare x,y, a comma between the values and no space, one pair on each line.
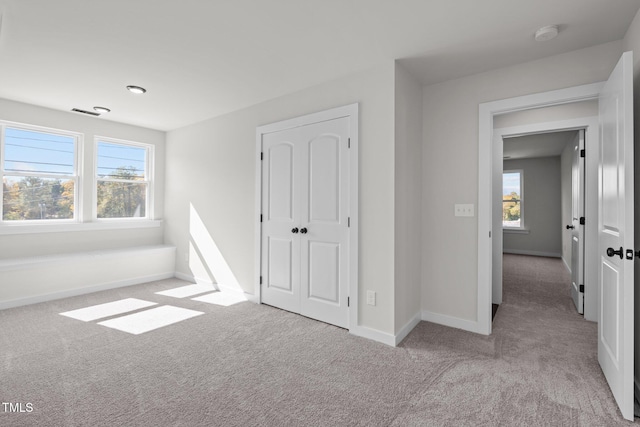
305,228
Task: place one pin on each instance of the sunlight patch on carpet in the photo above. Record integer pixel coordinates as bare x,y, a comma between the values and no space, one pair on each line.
224,299
148,320
187,291
100,311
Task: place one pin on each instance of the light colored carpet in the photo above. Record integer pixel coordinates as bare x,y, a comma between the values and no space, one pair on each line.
247,364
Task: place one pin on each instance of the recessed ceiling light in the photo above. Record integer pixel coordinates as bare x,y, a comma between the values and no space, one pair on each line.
101,110
136,89
546,33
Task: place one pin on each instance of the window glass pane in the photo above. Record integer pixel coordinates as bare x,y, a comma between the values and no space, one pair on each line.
121,199
121,161
511,199
28,151
35,198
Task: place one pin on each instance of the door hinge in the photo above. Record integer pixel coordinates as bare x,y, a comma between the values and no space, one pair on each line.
261,280
581,220
348,142
489,234
348,221
260,217
582,288
582,153
348,302
261,156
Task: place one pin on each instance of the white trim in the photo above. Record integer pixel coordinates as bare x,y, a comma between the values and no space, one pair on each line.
82,291
486,111
58,227
452,322
406,329
351,112
532,253
373,334
564,261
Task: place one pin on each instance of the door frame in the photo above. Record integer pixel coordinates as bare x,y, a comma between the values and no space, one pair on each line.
592,137
486,170
350,112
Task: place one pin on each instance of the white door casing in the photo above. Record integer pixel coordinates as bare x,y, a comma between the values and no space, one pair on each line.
615,234
307,256
577,232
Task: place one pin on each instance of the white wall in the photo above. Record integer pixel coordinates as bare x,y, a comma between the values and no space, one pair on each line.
19,245
632,43
210,181
408,199
541,208
566,164
450,164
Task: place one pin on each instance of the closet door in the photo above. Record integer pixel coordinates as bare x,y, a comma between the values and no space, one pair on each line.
305,235
324,214
281,193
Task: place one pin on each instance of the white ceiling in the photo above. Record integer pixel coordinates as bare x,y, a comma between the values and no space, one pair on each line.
538,145
200,59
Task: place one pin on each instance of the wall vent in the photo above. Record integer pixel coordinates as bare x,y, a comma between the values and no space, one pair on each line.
91,113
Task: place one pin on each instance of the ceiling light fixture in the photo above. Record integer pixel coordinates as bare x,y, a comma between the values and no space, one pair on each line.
546,33
136,89
101,110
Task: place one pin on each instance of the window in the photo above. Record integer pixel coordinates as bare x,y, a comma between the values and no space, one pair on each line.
39,174
512,199
123,182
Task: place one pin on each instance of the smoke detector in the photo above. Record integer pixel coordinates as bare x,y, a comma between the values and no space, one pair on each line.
546,33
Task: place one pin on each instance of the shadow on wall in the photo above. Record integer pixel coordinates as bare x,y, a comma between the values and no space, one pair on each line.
206,262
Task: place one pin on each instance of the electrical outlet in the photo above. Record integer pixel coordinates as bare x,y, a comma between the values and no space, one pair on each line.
371,297
463,210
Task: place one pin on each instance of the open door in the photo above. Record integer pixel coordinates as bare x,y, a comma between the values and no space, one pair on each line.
577,222
615,234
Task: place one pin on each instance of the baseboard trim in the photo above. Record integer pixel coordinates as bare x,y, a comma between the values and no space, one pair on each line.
82,291
406,329
218,286
452,322
564,261
532,253
373,334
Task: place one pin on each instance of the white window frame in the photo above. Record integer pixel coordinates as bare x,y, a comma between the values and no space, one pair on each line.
149,178
76,177
521,173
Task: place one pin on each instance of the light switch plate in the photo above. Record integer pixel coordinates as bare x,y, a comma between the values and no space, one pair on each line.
464,210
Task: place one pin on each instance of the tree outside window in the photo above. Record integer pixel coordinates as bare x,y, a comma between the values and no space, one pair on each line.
512,199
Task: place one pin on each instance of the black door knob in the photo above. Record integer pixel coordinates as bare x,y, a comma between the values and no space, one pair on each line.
303,230
295,230
570,227
611,252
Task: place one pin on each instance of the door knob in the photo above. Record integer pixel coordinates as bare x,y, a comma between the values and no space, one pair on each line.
303,230
294,230
570,227
611,252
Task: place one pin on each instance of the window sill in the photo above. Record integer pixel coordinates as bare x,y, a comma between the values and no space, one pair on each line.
77,226
515,231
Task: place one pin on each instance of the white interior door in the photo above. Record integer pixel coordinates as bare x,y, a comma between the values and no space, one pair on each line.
281,218
305,231
615,234
577,229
